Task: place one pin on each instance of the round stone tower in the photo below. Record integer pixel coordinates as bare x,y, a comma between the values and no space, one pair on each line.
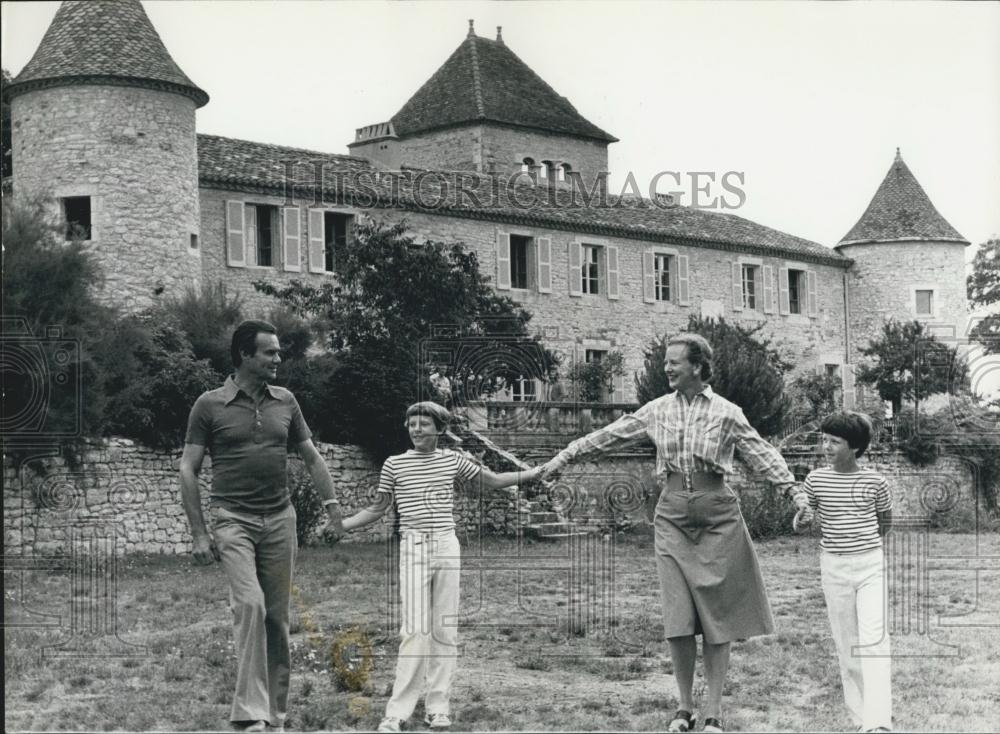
103,123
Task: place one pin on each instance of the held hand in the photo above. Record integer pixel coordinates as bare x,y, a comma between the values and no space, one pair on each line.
204,550
803,519
550,469
333,530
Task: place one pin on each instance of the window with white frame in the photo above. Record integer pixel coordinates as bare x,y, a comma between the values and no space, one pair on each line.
796,290
262,233
521,261
750,283
336,231
591,273
523,389
662,275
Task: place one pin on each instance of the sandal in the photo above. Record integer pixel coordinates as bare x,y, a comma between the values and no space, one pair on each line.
713,724
683,721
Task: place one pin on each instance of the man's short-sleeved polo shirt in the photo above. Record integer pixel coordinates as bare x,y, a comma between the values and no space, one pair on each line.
249,444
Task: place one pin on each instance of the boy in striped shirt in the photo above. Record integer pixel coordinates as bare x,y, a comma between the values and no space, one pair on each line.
855,511
420,483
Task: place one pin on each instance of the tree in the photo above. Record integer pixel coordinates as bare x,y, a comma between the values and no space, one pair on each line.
910,363
593,380
50,307
748,371
6,139
983,289
816,394
394,294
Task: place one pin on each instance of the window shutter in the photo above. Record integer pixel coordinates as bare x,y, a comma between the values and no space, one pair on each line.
503,261
737,287
618,389
768,288
235,252
847,383
317,241
292,231
812,297
575,269
250,234
683,281
783,291
648,276
612,256
544,251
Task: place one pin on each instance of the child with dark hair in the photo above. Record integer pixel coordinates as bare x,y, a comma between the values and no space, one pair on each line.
420,484
855,511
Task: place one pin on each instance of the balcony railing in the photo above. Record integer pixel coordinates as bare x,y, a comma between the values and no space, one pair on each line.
514,419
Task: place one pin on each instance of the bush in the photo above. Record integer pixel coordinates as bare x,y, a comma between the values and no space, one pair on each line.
153,379
592,381
207,318
309,513
748,371
49,284
767,512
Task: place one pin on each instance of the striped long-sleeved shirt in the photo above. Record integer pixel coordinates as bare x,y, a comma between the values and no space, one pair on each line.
847,503
422,485
698,435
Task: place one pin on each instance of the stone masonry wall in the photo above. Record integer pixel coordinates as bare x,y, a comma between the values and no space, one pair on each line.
571,324
884,275
505,148
134,492
133,152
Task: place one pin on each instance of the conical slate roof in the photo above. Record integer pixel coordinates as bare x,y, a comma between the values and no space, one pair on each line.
901,210
483,80
107,42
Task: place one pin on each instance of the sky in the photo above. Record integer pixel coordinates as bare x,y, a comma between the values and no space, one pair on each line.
807,100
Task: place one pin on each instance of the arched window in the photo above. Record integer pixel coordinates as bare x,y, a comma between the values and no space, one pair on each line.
527,164
546,170
564,170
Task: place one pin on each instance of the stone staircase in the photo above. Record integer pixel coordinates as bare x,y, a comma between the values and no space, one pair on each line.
539,519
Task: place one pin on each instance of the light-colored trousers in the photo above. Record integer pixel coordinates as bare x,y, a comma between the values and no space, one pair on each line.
429,571
258,555
856,602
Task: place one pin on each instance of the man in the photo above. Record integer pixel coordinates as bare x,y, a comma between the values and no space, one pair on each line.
710,581
247,426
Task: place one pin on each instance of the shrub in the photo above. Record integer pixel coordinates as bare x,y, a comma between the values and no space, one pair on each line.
309,513
767,512
592,381
207,318
153,379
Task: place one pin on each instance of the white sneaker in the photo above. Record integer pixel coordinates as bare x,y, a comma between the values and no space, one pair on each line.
437,721
389,724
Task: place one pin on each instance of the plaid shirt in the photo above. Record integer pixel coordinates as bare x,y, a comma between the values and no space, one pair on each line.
700,435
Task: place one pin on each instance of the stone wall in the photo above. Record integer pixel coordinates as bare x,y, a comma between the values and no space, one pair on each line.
505,148
938,496
133,152
884,276
571,324
134,492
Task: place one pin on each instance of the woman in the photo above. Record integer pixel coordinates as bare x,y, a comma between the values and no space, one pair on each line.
710,581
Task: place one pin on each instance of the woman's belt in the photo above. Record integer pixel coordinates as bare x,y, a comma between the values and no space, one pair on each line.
701,481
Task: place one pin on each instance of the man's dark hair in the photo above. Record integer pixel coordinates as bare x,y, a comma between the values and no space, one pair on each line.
245,339
855,428
438,413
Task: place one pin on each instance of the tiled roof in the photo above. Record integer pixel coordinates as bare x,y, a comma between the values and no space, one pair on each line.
483,80
242,165
900,210
111,42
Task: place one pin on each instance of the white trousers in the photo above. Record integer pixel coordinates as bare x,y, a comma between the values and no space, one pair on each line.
429,572
856,602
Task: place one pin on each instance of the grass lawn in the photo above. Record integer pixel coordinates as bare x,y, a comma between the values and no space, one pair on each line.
540,650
